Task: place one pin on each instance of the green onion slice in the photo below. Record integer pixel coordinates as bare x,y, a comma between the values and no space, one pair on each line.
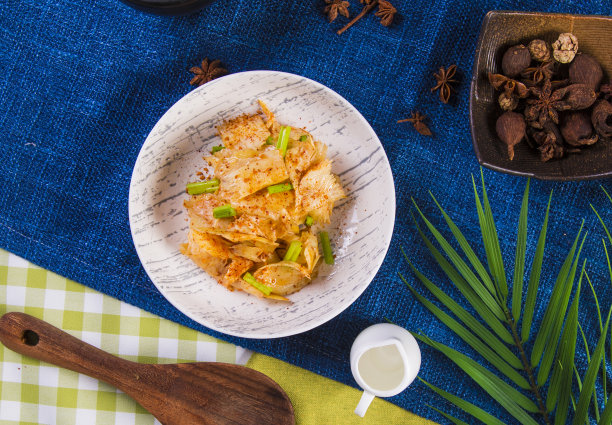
250,279
208,186
224,211
293,252
327,250
303,138
216,149
283,139
278,188
270,140
309,220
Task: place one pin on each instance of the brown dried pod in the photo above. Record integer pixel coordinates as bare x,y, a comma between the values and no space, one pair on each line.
577,129
510,128
507,102
551,147
586,70
515,60
577,96
508,85
602,119
540,50
565,48
606,90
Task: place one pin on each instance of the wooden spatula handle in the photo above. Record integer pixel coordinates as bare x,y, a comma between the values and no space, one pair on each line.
35,338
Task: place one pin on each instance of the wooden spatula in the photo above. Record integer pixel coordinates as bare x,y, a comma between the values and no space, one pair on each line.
176,394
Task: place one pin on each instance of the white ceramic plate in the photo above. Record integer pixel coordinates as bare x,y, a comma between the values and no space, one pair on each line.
361,226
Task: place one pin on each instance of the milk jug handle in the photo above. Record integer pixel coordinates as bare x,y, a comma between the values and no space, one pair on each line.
364,403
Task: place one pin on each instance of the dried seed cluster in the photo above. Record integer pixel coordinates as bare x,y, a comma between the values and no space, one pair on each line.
552,97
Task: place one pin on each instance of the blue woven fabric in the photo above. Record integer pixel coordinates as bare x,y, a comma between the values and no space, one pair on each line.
82,83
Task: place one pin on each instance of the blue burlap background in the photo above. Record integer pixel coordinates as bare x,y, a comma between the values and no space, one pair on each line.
82,83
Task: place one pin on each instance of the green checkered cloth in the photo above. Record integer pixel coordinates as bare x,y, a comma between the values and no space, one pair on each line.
34,392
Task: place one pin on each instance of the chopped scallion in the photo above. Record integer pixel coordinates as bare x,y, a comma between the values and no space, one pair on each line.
278,188
270,140
309,220
208,186
303,138
250,279
283,139
326,246
216,149
293,252
224,211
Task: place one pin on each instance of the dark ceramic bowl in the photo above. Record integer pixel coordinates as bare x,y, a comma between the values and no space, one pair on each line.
500,30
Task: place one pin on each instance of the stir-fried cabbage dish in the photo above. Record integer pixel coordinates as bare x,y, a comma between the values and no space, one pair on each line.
255,222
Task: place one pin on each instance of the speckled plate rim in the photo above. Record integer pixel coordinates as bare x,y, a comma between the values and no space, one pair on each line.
387,227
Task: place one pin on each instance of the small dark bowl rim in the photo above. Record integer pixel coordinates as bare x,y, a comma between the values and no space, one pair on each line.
496,167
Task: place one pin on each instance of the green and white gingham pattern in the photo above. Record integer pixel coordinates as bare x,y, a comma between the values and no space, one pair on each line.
36,392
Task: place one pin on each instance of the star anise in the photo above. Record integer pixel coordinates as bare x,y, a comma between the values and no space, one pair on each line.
444,81
385,12
335,7
542,71
207,71
416,118
544,106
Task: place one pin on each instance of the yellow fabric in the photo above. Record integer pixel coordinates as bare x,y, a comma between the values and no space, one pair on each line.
322,401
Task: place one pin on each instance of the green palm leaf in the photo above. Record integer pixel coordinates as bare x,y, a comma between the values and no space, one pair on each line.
490,239
559,290
467,407
519,258
557,322
449,417
461,266
467,249
467,291
560,387
534,278
588,384
474,342
606,416
516,403
470,321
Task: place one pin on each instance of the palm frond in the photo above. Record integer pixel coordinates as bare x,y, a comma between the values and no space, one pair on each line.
467,249
490,239
467,407
474,342
500,323
515,402
558,294
461,266
534,277
466,290
519,261
588,384
470,321
557,322
560,388
447,416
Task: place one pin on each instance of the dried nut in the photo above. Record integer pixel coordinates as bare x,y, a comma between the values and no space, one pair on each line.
578,96
510,128
508,102
577,129
539,50
515,60
552,144
565,48
602,119
586,70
